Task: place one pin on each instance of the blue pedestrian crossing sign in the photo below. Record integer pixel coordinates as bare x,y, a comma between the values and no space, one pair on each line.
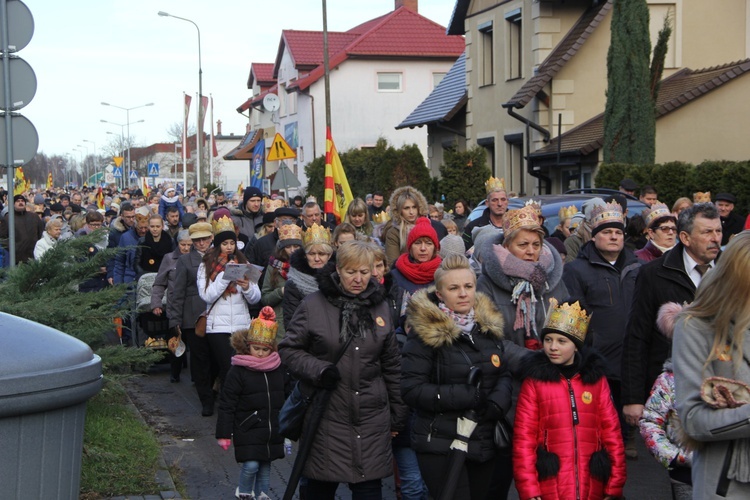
153,170
133,175
117,171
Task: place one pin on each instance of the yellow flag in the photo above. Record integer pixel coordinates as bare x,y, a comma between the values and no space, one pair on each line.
20,184
338,194
49,180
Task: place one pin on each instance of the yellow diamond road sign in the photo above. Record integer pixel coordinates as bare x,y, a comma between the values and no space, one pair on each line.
280,150
118,160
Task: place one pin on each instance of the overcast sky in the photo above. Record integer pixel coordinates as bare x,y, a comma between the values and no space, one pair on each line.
85,52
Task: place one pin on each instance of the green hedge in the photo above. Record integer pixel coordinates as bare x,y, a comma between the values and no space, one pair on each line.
676,179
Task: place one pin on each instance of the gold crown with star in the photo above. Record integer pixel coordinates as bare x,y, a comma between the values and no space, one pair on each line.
567,212
222,224
263,328
607,213
522,218
656,212
701,197
381,217
567,319
316,235
494,184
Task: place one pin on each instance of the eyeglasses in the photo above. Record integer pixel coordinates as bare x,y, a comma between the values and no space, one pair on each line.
667,229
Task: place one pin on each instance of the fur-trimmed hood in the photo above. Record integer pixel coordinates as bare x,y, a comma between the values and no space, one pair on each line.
493,270
298,261
591,366
421,203
330,285
436,329
118,225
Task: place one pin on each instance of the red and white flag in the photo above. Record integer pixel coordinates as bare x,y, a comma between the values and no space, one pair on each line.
185,148
204,108
214,150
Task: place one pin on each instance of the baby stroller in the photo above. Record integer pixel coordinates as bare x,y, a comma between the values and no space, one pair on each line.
149,330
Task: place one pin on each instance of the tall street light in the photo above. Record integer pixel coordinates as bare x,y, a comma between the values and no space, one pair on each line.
127,123
96,170
81,156
84,168
199,138
122,126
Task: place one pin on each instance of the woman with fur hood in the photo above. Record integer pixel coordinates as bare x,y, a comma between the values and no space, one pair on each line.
567,441
453,329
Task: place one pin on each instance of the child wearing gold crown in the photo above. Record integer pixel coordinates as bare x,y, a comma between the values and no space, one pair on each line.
251,397
567,441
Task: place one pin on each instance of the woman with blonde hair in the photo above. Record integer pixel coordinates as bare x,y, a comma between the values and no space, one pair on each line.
711,352
358,216
51,235
407,205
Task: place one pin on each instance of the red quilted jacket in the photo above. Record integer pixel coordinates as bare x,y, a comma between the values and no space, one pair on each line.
552,455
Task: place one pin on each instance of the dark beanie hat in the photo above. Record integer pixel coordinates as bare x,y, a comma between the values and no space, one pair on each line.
422,229
251,192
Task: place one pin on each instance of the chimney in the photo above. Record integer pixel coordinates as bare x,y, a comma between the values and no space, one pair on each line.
218,127
412,5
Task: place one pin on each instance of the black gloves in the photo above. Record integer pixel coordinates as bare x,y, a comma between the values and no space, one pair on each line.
329,377
480,399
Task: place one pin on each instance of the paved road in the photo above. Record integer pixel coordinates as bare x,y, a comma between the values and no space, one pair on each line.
208,472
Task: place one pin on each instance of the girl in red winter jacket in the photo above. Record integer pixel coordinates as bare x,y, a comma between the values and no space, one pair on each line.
567,442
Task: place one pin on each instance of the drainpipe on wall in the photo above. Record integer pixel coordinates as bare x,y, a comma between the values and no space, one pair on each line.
546,138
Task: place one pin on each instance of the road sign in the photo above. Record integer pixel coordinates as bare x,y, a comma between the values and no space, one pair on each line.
25,141
109,178
133,175
117,172
153,170
22,84
118,161
280,150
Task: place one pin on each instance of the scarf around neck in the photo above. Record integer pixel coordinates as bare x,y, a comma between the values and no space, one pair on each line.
220,266
530,281
351,306
267,364
420,273
465,322
305,283
280,265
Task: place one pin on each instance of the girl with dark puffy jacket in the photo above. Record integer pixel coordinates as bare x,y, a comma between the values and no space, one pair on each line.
567,441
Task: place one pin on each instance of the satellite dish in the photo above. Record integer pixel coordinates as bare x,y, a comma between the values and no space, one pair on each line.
271,102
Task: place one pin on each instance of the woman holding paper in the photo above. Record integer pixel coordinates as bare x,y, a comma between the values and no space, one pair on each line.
226,301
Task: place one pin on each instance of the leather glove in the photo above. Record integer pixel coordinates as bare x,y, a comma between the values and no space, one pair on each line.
480,400
493,412
329,377
224,443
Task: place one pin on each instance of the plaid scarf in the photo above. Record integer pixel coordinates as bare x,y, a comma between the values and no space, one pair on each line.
280,265
219,266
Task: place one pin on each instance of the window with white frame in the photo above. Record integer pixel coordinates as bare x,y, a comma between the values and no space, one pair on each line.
437,78
513,45
390,82
486,54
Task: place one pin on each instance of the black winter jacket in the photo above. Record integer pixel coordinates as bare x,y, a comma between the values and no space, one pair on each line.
436,362
249,413
293,295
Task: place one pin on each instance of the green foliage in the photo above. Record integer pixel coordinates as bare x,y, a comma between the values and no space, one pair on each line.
670,180
463,175
707,176
629,121
46,291
210,186
660,55
381,168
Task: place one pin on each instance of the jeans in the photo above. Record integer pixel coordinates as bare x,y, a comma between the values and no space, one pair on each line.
324,490
255,477
412,486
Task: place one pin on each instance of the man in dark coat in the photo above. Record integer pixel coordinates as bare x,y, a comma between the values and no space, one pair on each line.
117,228
28,229
731,222
249,214
264,247
671,278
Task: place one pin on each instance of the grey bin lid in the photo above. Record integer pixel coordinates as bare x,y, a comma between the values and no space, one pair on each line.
43,369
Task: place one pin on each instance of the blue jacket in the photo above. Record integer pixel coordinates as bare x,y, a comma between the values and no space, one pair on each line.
125,262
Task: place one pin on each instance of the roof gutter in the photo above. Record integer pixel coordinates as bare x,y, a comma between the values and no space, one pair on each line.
529,124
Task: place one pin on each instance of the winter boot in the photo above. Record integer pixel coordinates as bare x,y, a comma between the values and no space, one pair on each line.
244,496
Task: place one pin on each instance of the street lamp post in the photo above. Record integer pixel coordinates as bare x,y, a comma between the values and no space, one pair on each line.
81,156
199,137
95,158
84,168
127,116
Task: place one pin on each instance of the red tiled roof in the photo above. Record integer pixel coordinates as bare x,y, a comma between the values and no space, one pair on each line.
257,99
677,90
306,47
401,33
565,50
261,73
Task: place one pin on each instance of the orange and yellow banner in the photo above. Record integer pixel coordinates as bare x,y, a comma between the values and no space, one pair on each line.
49,180
338,194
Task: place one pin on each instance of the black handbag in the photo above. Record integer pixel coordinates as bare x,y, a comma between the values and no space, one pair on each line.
292,414
503,434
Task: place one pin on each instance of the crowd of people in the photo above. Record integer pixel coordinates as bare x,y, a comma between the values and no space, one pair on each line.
414,320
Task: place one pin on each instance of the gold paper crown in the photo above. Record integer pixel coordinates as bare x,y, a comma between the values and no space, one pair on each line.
567,319
224,223
381,217
536,205
290,232
263,328
700,197
270,205
604,214
655,212
316,235
567,212
525,217
494,184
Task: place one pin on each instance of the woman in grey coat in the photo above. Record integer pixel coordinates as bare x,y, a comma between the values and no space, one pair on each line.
711,340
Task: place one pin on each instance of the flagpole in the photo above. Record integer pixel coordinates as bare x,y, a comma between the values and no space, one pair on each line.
184,147
326,67
211,148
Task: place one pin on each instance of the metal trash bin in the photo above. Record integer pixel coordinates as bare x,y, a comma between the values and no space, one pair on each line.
46,377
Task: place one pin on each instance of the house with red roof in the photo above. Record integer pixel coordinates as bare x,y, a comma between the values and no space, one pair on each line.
379,71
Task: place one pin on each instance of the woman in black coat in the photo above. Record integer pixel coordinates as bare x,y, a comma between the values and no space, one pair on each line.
453,329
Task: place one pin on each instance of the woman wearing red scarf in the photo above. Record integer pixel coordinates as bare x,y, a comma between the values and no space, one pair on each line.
226,301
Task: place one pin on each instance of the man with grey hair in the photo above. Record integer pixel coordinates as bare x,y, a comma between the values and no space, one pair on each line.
497,205
673,277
